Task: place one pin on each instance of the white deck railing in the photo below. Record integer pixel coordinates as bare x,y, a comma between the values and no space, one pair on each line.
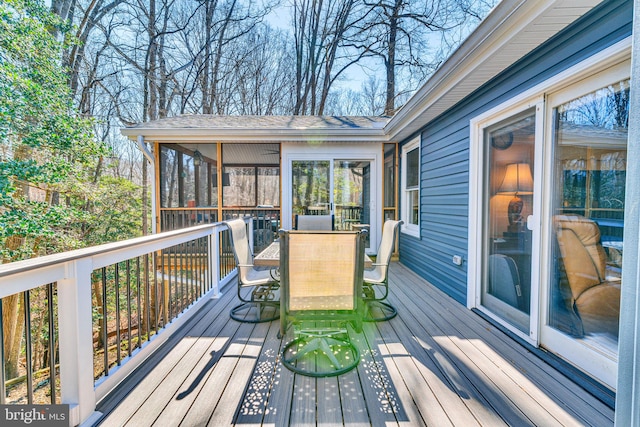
74,273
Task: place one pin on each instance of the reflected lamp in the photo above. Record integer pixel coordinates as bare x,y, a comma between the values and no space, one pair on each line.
517,181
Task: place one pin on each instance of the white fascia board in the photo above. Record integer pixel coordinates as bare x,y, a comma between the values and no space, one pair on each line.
484,47
256,135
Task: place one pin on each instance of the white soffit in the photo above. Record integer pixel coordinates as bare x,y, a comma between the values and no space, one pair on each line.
204,128
508,33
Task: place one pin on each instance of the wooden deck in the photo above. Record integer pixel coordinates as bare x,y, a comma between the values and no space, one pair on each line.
435,364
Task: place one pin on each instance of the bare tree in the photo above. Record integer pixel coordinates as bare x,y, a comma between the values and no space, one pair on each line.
320,28
399,33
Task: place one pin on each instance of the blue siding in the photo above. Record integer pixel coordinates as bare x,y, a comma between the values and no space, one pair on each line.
445,144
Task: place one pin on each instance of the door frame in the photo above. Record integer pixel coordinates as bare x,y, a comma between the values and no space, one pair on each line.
608,61
371,152
477,203
594,361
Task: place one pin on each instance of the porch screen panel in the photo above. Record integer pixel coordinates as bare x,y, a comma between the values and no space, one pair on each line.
168,177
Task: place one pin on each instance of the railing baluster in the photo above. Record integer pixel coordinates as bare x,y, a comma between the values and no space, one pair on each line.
128,278
105,333
139,314
147,295
156,302
117,286
28,351
173,273
52,343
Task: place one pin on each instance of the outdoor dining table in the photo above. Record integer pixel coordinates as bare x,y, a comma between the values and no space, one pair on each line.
270,257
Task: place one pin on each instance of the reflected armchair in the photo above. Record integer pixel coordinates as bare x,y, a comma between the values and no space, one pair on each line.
321,276
377,278
263,295
595,294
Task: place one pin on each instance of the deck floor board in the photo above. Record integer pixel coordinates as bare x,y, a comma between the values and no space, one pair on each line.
436,364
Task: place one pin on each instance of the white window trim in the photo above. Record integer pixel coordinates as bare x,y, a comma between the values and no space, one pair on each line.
407,227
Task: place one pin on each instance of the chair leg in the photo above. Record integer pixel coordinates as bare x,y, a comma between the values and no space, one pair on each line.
379,311
262,297
342,354
241,312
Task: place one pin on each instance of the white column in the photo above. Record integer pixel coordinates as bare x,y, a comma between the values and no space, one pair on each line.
628,388
76,340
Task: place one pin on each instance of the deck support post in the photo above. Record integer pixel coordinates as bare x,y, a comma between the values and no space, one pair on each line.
76,340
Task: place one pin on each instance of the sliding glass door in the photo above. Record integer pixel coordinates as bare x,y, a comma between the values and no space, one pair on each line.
338,187
508,190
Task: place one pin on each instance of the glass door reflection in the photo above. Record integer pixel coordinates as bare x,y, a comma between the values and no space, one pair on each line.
506,288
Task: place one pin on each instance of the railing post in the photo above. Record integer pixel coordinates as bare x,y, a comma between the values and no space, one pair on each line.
250,232
214,260
76,340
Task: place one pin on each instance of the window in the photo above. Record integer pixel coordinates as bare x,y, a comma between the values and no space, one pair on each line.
251,175
411,188
183,181
590,158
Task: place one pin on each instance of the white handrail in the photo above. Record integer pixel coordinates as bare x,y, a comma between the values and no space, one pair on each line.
72,271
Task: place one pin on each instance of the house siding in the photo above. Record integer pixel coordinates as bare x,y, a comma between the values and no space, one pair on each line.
444,191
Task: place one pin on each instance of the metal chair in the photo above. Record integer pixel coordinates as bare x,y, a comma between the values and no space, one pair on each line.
377,278
321,276
263,294
314,222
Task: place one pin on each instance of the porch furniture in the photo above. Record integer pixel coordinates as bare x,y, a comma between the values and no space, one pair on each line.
270,257
504,281
263,296
321,276
349,215
595,294
314,222
377,278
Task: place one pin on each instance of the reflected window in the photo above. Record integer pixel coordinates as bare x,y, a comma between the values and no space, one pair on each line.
590,152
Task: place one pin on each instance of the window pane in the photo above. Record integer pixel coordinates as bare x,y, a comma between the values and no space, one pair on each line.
241,190
414,206
389,175
413,168
508,194
269,186
203,177
310,187
589,189
189,181
168,178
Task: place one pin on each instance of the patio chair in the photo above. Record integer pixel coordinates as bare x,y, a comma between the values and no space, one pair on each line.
376,280
263,294
321,277
314,222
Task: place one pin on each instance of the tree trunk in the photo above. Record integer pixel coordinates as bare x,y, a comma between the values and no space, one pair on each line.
390,64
